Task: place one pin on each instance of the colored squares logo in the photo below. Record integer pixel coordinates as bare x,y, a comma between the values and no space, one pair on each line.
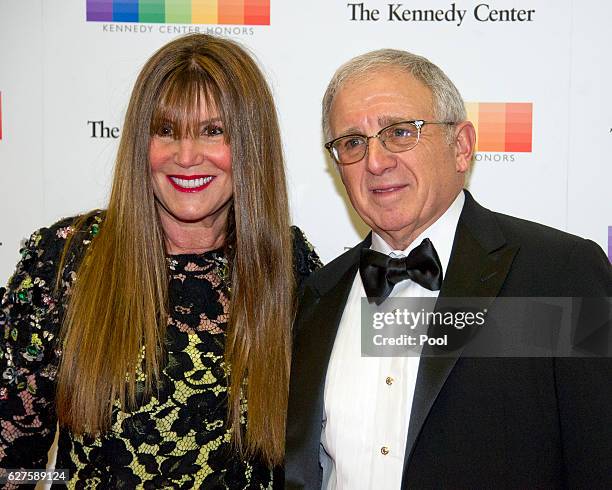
241,12
501,127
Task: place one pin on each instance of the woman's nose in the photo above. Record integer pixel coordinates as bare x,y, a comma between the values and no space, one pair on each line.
188,153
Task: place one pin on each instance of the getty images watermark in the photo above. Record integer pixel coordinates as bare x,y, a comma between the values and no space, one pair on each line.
487,327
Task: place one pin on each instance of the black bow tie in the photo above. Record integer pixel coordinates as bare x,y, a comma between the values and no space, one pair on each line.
380,273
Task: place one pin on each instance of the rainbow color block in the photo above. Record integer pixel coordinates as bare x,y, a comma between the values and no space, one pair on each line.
242,12
501,127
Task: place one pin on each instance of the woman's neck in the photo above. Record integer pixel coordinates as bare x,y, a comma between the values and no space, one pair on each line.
196,237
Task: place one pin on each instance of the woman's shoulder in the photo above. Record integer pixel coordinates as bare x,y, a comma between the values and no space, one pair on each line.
66,227
44,248
305,258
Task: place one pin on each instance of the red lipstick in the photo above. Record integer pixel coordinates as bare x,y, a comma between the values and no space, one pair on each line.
190,183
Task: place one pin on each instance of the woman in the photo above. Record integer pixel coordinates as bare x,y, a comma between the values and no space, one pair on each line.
134,346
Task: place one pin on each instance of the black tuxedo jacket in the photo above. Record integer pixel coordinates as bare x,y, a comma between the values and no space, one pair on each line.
476,423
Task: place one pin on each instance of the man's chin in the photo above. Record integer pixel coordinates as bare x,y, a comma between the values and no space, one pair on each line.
393,226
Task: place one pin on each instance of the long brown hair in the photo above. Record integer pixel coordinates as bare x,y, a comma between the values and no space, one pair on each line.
118,306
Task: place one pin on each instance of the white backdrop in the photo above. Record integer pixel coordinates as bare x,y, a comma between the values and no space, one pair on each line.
58,71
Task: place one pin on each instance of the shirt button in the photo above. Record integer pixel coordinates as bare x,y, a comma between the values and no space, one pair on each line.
384,450
389,380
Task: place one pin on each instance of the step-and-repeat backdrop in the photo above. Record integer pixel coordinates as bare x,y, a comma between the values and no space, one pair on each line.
536,68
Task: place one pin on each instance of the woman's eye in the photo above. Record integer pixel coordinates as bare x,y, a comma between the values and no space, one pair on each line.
212,130
165,131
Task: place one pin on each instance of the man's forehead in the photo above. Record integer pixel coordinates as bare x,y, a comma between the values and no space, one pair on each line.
383,96
381,76
383,85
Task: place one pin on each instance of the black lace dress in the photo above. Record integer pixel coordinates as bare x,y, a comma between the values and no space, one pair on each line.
175,439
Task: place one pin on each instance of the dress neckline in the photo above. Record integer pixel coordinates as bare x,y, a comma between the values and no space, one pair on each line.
218,253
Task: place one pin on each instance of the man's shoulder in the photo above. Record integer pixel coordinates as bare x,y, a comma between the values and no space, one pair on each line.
550,255
545,241
495,229
535,234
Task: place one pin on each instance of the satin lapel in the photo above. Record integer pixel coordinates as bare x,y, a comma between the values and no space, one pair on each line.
317,323
479,264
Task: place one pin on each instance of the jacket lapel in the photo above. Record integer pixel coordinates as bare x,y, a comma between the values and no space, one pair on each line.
320,311
479,263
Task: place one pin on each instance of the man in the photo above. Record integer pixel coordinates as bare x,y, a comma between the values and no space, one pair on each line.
397,129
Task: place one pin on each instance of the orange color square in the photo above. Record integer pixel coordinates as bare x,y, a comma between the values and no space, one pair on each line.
231,12
492,126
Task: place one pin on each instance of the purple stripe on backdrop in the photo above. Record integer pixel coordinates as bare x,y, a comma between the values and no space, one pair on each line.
100,10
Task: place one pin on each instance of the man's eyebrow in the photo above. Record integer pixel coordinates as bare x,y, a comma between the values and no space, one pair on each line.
350,131
384,121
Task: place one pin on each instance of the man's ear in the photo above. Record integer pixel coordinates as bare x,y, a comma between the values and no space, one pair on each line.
465,144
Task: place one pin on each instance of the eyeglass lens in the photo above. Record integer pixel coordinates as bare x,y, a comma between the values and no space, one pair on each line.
395,138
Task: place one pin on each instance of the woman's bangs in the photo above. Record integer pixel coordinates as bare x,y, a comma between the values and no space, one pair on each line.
180,102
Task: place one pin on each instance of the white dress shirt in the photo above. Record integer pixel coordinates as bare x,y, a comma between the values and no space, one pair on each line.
368,400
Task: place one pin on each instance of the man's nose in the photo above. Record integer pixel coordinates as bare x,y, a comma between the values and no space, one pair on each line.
378,158
188,153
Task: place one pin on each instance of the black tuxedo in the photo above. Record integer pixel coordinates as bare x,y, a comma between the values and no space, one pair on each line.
476,423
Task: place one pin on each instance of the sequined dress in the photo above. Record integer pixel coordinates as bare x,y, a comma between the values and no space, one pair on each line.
175,439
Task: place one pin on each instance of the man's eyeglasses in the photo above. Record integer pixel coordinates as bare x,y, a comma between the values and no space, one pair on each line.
397,137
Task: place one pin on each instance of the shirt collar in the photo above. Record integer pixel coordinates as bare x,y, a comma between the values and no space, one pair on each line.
441,233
